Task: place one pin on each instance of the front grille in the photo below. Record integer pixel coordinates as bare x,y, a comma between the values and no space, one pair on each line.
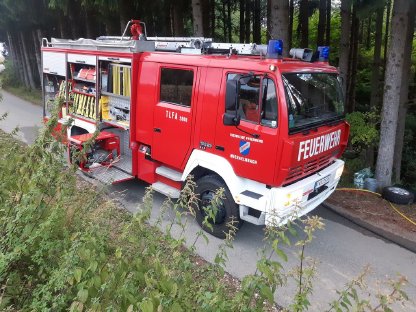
309,168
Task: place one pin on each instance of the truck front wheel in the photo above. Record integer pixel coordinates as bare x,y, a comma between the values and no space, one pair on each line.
214,214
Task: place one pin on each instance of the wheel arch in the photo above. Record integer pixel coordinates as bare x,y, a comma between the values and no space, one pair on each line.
202,163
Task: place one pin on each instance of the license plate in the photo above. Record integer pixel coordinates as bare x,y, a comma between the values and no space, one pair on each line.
321,182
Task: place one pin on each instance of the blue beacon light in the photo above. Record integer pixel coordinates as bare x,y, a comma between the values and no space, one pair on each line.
323,53
275,48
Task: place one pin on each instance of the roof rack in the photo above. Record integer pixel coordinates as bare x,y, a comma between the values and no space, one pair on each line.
140,43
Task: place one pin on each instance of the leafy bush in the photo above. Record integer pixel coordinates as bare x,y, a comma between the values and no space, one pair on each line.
9,76
363,132
63,246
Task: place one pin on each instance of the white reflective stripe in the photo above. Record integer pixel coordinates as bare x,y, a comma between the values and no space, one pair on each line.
223,168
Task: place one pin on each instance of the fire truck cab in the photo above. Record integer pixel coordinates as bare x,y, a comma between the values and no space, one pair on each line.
268,130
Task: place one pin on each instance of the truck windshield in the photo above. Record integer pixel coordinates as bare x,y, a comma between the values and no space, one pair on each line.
312,99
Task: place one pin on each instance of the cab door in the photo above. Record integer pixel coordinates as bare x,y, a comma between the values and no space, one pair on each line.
173,114
251,147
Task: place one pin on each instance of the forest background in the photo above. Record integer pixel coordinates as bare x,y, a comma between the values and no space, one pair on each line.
372,43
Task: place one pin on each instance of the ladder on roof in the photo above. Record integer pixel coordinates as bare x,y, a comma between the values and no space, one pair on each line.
201,45
141,43
195,45
185,45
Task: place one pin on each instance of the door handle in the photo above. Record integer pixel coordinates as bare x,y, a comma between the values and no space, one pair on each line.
157,130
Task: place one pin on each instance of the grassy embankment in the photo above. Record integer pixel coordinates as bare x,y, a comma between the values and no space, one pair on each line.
11,84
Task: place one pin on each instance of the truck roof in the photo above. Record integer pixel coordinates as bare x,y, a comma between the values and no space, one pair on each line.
249,63
254,63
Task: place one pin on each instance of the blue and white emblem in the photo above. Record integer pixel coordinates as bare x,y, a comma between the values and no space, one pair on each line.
244,148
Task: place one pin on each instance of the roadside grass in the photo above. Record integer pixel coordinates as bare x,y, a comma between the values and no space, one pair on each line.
30,95
10,83
64,245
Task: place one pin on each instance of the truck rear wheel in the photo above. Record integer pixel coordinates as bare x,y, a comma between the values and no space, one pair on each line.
225,211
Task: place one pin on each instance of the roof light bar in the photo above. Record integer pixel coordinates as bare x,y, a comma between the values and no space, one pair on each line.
275,49
323,53
302,54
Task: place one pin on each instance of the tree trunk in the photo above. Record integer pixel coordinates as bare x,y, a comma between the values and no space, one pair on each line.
28,66
64,30
279,16
404,93
197,18
321,23
242,13
328,23
125,9
256,22
242,25
224,22
13,52
269,27
73,15
353,62
345,43
291,16
392,88
213,21
206,18
386,33
36,44
361,32
229,25
91,24
304,23
375,75
249,10
21,62
368,39
178,27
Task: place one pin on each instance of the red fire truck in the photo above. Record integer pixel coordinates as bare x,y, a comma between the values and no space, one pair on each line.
268,130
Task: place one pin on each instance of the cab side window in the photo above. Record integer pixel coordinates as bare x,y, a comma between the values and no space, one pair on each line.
176,86
248,99
257,100
269,107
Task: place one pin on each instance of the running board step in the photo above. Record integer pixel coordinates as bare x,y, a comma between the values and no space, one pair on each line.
169,173
109,175
166,190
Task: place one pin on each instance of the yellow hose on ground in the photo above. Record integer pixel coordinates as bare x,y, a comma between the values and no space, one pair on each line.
392,206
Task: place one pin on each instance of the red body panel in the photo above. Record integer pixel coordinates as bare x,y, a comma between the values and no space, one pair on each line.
250,147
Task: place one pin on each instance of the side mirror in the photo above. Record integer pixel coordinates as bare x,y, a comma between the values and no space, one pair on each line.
231,95
231,119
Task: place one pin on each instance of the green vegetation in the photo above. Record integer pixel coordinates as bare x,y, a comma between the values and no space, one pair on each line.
65,246
10,82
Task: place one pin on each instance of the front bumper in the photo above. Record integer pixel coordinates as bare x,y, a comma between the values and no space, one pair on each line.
303,196
280,204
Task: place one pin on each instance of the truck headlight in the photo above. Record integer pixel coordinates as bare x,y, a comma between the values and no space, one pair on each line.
338,173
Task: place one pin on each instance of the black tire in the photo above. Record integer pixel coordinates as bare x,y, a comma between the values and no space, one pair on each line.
397,195
227,209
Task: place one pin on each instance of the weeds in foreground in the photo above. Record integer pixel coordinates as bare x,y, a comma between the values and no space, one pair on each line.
63,247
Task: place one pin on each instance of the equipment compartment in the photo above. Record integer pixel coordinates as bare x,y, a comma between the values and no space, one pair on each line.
54,63
115,93
83,96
